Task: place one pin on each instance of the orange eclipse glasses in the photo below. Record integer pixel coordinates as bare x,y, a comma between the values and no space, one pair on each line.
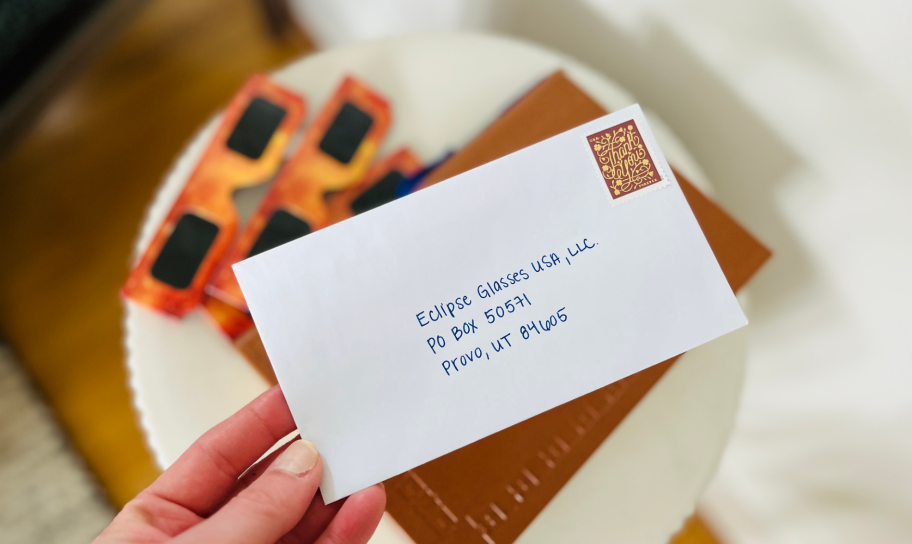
335,153
381,184
247,149
384,182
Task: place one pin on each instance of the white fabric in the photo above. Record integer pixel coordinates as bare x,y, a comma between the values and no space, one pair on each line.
800,115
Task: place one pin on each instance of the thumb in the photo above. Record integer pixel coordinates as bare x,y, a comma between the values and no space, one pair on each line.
270,507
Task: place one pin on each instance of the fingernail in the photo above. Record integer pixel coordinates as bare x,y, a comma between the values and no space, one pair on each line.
300,457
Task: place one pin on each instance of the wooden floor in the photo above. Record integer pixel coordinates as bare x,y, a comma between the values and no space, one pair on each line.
72,195
73,192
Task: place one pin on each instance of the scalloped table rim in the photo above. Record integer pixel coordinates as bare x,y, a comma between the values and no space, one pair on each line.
643,481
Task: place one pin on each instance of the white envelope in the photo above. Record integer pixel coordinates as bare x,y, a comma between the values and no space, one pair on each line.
379,328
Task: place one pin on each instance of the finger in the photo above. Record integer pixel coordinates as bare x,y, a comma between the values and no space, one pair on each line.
357,519
272,505
253,473
314,522
210,467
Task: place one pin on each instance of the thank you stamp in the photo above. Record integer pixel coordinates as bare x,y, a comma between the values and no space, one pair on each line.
624,162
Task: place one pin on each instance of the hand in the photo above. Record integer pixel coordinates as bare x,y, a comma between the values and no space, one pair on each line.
203,497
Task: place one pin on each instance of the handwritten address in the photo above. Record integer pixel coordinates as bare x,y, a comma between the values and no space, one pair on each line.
487,315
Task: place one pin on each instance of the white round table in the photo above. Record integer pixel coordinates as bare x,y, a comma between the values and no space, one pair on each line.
644,480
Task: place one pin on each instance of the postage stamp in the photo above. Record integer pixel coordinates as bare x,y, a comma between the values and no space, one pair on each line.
625,162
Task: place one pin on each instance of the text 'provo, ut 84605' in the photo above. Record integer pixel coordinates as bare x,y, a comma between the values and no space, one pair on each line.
476,327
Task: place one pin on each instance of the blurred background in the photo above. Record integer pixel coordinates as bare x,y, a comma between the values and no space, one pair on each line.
798,111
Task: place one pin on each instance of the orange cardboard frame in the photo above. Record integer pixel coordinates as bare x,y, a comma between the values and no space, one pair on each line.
208,196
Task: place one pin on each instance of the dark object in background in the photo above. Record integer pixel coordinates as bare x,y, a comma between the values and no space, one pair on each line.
277,16
184,251
344,136
45,43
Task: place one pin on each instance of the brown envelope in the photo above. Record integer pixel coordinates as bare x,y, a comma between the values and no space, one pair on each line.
490,491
